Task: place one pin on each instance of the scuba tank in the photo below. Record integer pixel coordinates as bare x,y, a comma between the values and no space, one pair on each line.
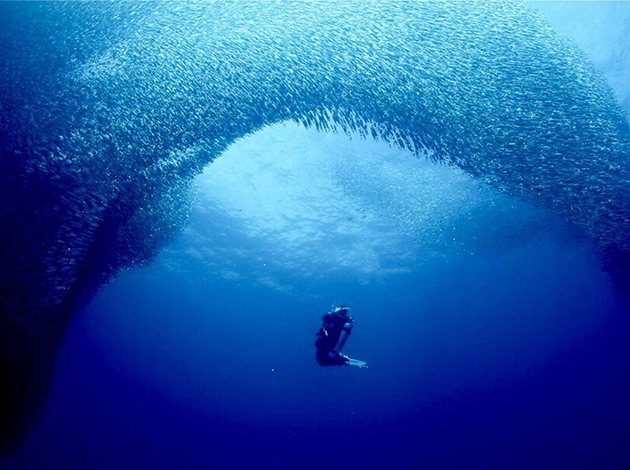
343,337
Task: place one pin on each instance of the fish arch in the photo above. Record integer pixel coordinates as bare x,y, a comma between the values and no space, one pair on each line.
99,152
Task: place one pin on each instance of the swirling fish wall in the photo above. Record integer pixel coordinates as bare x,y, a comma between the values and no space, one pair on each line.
110,109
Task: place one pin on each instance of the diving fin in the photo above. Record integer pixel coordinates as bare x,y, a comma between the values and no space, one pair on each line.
356,363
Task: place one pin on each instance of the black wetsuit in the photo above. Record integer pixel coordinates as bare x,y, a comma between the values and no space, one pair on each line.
327,338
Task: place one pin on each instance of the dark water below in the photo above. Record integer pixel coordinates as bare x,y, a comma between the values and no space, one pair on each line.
494,340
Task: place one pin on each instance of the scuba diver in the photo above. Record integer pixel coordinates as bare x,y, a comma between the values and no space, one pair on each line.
331,337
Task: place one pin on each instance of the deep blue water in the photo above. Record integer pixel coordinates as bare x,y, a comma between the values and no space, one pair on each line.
507,349
494,337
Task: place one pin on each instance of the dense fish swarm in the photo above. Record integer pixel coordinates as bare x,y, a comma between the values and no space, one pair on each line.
110,109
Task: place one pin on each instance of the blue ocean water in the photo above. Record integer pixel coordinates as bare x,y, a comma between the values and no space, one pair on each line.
494,336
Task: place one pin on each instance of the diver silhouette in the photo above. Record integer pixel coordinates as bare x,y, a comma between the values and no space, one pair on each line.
332,336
